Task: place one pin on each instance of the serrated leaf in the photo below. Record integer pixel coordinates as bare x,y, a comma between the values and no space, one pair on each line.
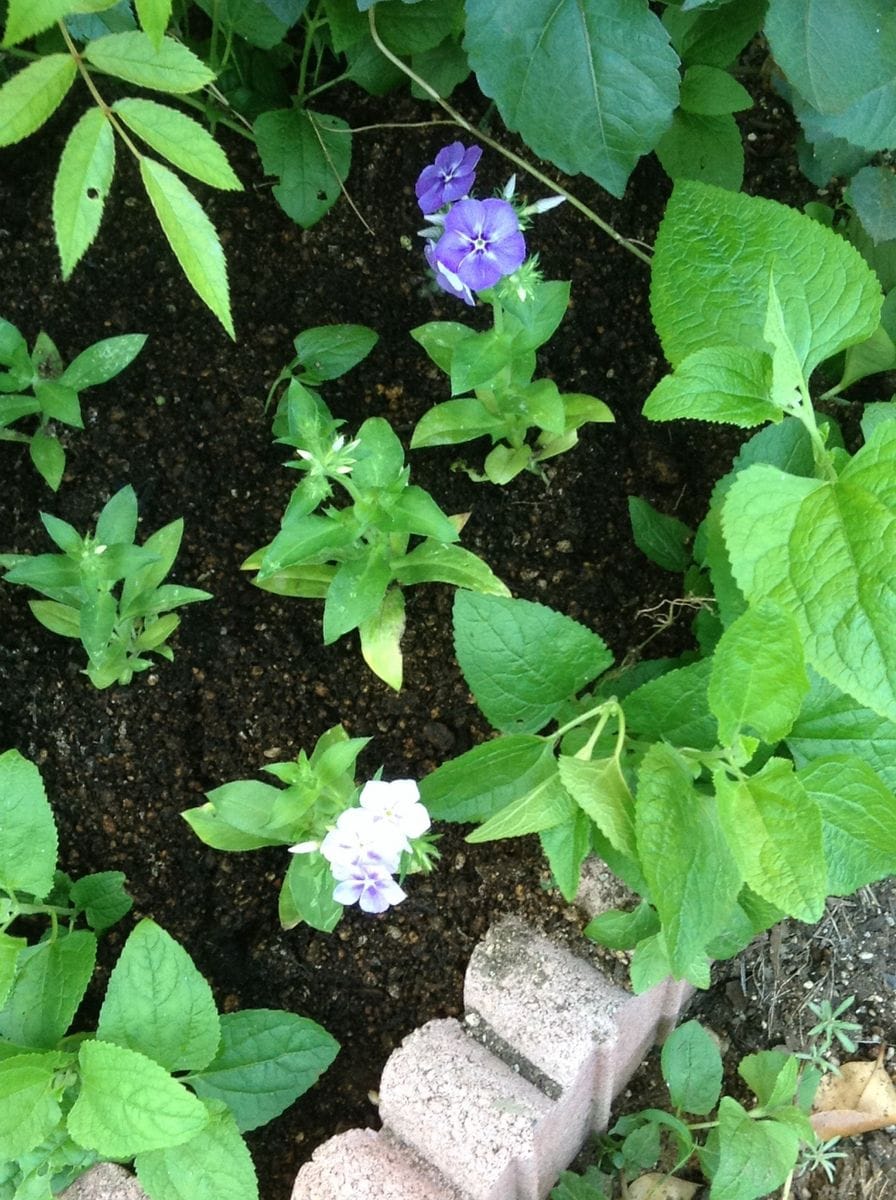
214,1165
683,851
773,828
25,18
714,37
128,1104
692,1069
154,17
825,551
28,841
158,1003
709,92
266,1060
705,148
102,897
180,139
755,1157
82,185
523,660
33,94
477,784
718,383
310,153
600,789
133,57
546,805
858,813
758,676
50,984
620,79
29,1109
872,193
715,252
191,236
674,707
566,846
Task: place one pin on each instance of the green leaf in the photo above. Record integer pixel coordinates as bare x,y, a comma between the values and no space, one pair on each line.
674,707
432,562
546,805
50,984
600,789
824,552
589,1186
28,17
214,1165
539,314
29,1110
184,142
266,1060
692,1069
773,828
247,805
307,894
566,847
691,871
191,236
263,23
758,676
29,845
82,185
10,948
710,92
707,149
713,36
662,538
717,383
858,814
329,351
102,898
623,930
33,94
128,1104
620,79
310,153
48,457
158,1003
872,193
117,521
415,511
505,462
478,358
755,1157
355,594
439,339
133,57
154,17
523,660
833,723
103,361
476,785
715,252
58,618
454,421
771,1076
381,639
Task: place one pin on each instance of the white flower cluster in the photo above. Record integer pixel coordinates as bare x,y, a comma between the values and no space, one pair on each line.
365,846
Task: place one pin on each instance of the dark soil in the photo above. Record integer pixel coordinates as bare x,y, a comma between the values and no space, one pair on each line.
251,681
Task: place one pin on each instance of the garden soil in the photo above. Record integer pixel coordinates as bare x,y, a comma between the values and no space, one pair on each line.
252,683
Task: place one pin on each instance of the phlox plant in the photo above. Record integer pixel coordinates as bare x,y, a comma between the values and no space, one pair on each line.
478,248
106,591
38,384
164,1080
750,778
348,842
357,557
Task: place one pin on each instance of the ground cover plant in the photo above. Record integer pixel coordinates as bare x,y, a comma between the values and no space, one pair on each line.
741,730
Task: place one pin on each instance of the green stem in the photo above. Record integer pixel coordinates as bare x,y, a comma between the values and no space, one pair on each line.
98,99
508,154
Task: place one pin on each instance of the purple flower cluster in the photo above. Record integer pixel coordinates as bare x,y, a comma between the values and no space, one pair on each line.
365,846
475,243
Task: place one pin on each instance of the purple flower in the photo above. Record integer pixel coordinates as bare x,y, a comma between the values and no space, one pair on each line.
482,242
446,279
449,178
367,884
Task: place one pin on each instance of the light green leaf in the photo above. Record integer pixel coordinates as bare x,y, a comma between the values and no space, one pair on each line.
566,847
691,872
476,785
708,149
82,185
133,57
59,618
191,236
48,457
674,707
858,814
10,948
102,897
154,17
825,551
599,788
773,828
758,676
129,1104
158,1003
329,351
101,362
266,1060
833,723
50,984
310,153
718,383
619,79
29,1110
307,894
28,845
432,562
117,522
715,252
755,1157
355,594
214,1165
33,95
381,639
692,1069
546,805
28,17
771,1076
523,660
454,421
180,139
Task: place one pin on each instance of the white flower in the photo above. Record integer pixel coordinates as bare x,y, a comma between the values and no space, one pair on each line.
396,804
360,836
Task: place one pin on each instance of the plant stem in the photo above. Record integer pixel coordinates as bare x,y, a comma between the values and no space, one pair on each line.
98,99
508,154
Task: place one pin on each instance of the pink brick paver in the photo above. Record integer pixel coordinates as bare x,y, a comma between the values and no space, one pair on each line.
365,1165
105,1181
